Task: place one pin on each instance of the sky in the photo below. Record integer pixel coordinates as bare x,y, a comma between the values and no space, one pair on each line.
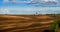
29,6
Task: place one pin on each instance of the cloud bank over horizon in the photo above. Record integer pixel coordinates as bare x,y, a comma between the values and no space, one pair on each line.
31,11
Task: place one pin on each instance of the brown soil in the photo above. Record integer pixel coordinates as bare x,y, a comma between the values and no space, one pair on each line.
25,23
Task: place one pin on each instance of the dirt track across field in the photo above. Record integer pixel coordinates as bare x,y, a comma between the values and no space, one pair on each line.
25,23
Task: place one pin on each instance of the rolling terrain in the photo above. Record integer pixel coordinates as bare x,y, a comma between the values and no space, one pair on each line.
26,23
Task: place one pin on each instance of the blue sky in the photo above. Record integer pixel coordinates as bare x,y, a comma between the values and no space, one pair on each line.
29,7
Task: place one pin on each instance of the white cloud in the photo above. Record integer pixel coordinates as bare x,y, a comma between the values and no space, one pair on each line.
5,11
49,0
16,1
5,0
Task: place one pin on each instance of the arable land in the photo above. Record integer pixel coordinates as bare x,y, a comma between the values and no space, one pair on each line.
27,23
